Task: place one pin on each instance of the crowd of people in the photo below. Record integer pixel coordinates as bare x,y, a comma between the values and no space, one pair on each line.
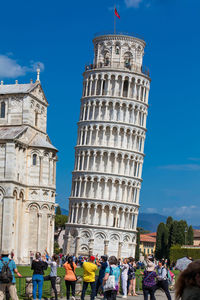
113,274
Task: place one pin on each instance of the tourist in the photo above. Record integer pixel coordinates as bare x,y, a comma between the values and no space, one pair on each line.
148,282
70,277
8,282
124,276
187,286
131,277
112,269
89,269
162,279
53,263
103,265
38,266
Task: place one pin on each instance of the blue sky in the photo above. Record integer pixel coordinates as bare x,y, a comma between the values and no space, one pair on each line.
58,34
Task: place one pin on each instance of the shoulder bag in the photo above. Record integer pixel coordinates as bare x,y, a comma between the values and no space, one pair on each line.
110,282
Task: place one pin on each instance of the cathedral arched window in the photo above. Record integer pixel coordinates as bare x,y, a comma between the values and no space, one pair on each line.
3,109
34,160
117,49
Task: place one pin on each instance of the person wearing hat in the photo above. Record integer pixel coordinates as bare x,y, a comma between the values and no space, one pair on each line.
148,282
89,269
103,264
11,286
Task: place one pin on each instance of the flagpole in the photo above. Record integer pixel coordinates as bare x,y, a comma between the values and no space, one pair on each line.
114,21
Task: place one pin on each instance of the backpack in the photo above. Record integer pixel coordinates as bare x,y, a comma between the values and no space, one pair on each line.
5,273
169,277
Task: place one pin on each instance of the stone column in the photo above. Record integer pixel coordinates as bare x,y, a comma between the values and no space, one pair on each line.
95,87
77,245
119,250
81,137
48,232
94,217
41,170
129,89
86,89
101,90
68,243
91,246
76,219
106,243
7,223
135,222
81,214
79,188
139,92
84,188
135,91
90,136
122,87
109,218
147,95
90,91
52,226
72,213
39,231
108,86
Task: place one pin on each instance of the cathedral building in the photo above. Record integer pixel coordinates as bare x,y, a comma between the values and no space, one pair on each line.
27,171
107,177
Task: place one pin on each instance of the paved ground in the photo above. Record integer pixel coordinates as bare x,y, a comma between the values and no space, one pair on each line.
159,296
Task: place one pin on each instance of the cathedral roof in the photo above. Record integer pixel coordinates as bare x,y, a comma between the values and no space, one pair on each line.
9,133
17,88
42,142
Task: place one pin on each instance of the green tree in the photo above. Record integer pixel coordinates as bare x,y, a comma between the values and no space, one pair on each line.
161,241
169,224
57,250
142,230
137,250
179,233
60,221
58,210
190,235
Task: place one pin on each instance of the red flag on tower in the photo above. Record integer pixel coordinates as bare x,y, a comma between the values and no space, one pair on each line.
116,13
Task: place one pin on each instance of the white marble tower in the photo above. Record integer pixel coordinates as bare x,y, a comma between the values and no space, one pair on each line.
109,155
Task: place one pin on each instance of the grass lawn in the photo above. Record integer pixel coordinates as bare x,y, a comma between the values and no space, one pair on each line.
27,272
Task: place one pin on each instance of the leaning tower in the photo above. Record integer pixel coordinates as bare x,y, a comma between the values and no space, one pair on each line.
106,181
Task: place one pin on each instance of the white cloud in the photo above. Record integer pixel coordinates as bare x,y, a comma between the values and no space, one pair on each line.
190,211
133,3
183,167
151,210
10,68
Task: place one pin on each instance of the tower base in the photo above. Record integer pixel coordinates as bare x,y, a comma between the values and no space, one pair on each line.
87,240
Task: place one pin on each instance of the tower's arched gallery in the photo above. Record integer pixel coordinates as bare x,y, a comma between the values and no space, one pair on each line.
27,172
106,181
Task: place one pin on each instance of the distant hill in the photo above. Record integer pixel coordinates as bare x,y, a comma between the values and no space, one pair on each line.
64,211
196,227
150,221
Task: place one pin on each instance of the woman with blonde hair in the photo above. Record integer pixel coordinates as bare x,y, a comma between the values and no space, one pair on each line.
187,286
124,276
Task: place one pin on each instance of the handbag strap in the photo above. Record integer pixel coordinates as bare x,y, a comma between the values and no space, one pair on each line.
148,276
111,271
